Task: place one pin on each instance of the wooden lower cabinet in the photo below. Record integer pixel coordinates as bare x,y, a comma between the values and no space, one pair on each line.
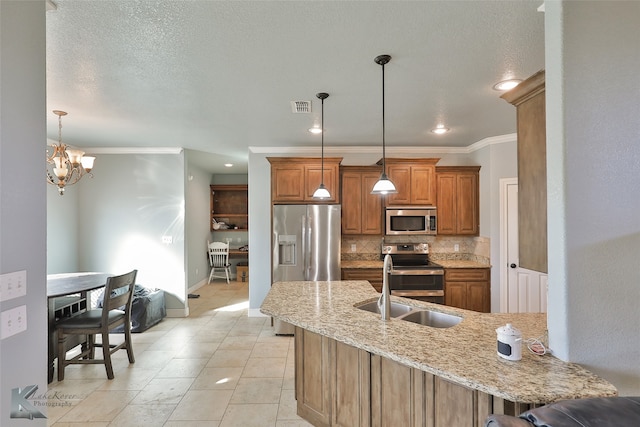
397,394
372,275
312,377
454,405
341,385
468,288
332,381
351,393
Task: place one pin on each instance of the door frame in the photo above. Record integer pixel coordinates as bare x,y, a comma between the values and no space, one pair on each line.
504,267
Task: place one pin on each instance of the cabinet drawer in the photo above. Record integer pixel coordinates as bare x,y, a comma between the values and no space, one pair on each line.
372,275
361,274
466,274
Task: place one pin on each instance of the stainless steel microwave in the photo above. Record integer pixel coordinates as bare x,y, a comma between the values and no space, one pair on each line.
405,220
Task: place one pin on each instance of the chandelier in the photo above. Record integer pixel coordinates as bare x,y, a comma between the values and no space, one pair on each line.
69,165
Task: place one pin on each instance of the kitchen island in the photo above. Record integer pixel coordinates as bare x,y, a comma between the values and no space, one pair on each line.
352,368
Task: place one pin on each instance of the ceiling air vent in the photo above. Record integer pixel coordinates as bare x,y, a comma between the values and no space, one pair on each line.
301,106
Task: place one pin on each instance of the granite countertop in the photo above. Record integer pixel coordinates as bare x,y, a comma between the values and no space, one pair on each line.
464,354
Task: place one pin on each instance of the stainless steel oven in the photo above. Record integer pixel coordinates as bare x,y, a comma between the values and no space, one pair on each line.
413,274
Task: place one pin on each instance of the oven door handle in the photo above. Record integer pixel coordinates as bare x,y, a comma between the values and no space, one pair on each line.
418,293
434,272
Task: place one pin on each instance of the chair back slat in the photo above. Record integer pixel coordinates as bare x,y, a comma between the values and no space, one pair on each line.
218,254
118,292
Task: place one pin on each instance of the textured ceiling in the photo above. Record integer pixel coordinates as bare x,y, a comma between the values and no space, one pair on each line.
218,76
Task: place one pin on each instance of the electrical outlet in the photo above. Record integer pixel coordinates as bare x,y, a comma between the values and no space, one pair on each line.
353,247
167,239
456,248
13,285
13,321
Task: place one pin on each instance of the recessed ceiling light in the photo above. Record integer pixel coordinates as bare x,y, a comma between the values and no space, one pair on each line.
315,130
440,129
507,84
228,165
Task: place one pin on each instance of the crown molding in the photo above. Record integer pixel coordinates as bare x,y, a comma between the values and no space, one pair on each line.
492,140
128,150
500,139
412,151
135,150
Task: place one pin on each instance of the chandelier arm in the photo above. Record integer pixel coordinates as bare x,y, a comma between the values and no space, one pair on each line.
51,179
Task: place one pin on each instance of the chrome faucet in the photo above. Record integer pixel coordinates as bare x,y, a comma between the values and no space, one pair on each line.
384,302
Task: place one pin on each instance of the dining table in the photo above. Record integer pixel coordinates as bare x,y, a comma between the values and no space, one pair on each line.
68,295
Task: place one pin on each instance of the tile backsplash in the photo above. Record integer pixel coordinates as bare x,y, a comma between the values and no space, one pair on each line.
361,247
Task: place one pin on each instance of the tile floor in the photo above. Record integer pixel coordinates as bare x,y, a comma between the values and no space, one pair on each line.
217,367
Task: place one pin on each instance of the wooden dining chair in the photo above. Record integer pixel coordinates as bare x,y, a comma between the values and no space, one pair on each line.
219,259
115,311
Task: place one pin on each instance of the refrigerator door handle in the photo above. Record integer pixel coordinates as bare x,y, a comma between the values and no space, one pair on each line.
305,247
309,272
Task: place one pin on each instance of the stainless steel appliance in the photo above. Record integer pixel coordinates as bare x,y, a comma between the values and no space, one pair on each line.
413,274
410,220
306,246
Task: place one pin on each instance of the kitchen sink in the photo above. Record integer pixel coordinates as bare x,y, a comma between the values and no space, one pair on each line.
396,309
421,316
435,319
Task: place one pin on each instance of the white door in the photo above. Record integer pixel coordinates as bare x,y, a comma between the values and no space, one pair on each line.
521,290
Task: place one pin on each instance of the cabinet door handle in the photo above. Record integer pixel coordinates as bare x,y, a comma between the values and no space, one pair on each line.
513,265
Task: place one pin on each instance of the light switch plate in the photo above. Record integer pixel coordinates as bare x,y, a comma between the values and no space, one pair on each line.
13,321
13,285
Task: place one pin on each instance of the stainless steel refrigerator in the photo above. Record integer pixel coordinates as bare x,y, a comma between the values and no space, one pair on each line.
306,246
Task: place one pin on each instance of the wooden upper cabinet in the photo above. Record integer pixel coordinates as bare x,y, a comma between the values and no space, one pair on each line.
400,175
287,183
458,200
295,179
415,180
529,99
229,204
313,178
361,210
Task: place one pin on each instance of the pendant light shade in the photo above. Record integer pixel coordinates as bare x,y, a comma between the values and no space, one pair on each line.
384,184
322,192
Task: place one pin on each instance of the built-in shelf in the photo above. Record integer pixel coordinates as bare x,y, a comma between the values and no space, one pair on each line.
229,204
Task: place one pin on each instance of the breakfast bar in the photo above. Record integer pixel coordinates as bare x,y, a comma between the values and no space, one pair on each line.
353,368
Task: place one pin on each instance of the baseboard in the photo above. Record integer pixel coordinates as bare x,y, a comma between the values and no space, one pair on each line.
178,312
198,285
255,312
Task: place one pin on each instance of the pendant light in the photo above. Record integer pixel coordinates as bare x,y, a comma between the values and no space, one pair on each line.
322,192
384,185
